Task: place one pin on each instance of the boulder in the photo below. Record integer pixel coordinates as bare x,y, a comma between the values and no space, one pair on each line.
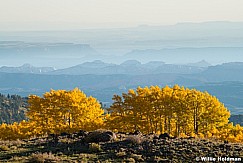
82,133
137,132
164,136
100,136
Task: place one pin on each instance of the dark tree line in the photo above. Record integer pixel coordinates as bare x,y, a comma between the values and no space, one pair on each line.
12,108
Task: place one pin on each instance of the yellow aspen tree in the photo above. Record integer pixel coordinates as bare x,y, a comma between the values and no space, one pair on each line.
117,115
177,111
64,111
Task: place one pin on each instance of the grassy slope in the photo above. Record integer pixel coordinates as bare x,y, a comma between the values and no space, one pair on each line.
126,148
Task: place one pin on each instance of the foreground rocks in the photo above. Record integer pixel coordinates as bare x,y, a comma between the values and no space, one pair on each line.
100,136
104,145
153,148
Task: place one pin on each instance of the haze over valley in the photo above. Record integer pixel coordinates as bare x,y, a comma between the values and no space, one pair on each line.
106,61
102,80
215,42
121,81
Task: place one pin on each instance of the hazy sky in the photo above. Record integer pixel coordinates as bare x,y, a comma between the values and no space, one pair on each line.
51,14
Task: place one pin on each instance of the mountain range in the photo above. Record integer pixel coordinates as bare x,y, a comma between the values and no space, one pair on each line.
44,53
99,67
26,68
102,62
188,54
225,81
132,67
216,42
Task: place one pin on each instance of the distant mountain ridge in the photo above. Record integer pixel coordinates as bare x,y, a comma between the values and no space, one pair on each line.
26,68
187,54
130,67
134,67
201,63
225,81
42,48
231,71
215,41
45,53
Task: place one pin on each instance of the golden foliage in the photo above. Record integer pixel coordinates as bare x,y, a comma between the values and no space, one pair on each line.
177,111
56,112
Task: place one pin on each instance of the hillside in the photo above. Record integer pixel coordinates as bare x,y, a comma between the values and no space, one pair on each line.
40,141
131,147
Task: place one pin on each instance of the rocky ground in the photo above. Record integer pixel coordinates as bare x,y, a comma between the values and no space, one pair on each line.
105,146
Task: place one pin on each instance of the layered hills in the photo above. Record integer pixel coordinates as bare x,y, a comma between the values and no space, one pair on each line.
102,80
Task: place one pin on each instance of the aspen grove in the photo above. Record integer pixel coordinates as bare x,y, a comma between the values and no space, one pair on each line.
178,111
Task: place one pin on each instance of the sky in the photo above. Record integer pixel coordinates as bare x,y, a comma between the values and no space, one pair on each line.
74,14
